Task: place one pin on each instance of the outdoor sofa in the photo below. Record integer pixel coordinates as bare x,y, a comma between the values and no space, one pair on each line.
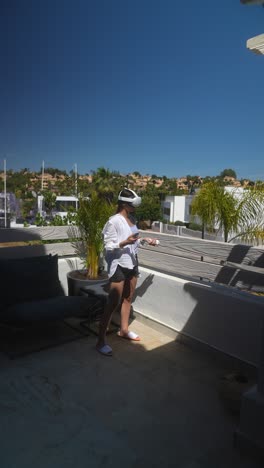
31,292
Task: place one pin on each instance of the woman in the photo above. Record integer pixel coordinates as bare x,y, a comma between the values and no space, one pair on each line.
121,243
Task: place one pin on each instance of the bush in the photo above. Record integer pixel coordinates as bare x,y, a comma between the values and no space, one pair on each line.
195,226
179,223
143,225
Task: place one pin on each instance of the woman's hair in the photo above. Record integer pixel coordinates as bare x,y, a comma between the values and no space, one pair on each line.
127,193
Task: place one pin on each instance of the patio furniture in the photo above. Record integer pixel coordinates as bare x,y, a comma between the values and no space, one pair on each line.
98,292
31,292
34,311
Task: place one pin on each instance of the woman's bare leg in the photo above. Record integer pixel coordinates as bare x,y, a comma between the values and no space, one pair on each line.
128,292
114,298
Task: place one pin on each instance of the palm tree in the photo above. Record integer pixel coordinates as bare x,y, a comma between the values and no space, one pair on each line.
241,214
229,212
91,218
104,183
49,200
251,221
205,205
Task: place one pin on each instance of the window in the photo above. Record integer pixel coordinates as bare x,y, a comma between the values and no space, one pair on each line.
65,205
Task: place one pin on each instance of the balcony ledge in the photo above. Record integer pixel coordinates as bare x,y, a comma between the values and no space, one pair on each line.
256,44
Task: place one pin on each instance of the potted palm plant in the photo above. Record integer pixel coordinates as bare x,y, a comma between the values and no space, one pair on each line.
92,214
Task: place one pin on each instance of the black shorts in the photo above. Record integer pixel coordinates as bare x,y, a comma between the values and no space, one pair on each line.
121,274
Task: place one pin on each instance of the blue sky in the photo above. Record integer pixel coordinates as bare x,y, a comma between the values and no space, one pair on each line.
163,87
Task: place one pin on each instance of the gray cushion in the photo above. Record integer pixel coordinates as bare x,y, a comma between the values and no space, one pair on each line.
29,279
49,309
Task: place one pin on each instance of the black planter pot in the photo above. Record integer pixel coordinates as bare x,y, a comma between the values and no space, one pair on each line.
77,280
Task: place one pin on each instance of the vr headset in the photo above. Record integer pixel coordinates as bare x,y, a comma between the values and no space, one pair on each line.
135,201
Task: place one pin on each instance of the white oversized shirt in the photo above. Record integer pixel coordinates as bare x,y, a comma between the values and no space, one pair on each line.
115,231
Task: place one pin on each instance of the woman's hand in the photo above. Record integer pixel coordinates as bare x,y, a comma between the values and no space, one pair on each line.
130,240
150,241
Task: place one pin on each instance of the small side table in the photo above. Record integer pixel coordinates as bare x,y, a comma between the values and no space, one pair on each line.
97,310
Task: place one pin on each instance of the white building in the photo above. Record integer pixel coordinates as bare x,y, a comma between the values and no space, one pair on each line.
5,211
62,205
177,208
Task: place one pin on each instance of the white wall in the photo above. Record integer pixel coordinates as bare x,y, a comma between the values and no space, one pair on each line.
227,320
179,208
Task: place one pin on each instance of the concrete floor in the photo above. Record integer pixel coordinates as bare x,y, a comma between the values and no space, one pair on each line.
153,404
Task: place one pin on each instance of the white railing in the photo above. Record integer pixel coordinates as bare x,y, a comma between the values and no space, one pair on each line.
233,265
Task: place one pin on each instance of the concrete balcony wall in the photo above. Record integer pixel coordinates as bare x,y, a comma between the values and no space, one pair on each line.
220,317
225,319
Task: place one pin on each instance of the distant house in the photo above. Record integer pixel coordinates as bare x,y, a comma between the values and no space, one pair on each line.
62,205
177,208
8,207
182,183
232,181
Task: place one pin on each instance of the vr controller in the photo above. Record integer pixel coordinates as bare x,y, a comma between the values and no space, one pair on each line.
148,240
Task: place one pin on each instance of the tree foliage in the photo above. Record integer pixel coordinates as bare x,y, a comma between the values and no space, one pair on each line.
53,171
228,211
150,208
205,204
49,200
228,173
90,219
106,183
